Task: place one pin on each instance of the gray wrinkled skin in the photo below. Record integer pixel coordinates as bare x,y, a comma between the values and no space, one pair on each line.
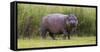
58,24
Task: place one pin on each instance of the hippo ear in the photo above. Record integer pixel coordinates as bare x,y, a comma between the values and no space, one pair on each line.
71,15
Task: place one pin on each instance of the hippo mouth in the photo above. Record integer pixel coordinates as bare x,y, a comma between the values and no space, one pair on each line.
72,25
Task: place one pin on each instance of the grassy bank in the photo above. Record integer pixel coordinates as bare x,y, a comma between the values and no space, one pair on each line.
35,43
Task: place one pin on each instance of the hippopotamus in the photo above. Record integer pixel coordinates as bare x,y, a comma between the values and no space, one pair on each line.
58,24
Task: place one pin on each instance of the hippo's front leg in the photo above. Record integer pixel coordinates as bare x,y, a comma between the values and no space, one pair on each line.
65,34
68,36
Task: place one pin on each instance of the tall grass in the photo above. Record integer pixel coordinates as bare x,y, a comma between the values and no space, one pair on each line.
30,15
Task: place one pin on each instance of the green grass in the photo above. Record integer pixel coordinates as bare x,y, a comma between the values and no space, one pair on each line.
36,43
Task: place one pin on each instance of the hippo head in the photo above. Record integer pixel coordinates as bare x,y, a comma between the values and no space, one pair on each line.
71,20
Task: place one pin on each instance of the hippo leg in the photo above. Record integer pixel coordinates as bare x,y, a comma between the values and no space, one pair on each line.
43,33
66,34
52,36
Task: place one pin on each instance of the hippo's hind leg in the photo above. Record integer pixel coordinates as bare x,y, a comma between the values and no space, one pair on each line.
52,35
43,32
